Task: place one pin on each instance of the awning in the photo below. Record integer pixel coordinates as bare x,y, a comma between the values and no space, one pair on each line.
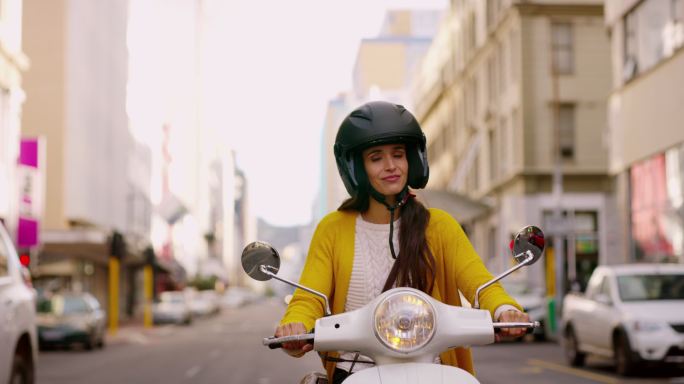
462,208
91,244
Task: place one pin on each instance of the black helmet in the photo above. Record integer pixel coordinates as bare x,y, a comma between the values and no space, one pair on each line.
378,123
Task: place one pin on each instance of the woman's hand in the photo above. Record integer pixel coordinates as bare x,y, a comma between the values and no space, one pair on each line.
295,348
512,316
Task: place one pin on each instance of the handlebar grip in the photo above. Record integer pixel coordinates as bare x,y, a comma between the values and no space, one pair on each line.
277,342
528,331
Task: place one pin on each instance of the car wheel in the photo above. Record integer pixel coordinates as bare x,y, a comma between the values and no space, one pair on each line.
625,363
90,343
22,373
572,353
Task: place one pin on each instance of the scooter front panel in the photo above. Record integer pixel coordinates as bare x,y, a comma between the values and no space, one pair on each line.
412,373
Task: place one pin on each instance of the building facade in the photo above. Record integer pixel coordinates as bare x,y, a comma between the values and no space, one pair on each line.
511,93
645,126
97,176
13,62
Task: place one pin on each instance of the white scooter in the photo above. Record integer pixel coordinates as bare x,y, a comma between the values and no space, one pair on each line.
403,330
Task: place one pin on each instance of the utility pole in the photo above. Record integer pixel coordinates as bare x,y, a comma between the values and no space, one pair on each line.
148,286
557,190
117,250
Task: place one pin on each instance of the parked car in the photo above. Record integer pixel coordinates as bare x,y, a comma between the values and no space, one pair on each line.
18,341
631,313
533,301
71,318
236,297
173,307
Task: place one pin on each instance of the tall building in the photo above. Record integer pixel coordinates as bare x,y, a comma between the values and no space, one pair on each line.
385,68
645,126
13,63
97,175
511,92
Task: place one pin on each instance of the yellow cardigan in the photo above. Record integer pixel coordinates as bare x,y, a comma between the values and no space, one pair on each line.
329,263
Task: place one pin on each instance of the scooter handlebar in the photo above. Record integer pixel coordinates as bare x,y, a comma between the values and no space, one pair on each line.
530,326
277,342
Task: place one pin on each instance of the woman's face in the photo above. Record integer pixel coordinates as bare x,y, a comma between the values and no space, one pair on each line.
386,167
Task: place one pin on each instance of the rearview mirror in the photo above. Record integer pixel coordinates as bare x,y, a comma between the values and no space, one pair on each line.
258,254
529,242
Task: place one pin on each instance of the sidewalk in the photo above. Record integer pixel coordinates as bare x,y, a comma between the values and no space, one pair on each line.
134,332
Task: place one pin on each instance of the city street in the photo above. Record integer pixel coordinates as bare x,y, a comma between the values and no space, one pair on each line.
226,349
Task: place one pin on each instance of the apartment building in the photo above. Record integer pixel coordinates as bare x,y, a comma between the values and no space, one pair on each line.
510,93
96,175
645,126
13,63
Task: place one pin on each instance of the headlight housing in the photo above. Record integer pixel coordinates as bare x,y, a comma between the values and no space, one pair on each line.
404,321
646,326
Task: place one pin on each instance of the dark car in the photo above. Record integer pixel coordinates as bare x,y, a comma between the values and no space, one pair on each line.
71,318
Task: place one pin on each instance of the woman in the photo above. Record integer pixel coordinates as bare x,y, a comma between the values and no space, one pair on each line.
382,237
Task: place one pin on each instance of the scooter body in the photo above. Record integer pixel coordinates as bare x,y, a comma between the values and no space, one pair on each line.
412,373
403,330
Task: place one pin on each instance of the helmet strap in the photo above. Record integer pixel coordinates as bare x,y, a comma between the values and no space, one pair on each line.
402,198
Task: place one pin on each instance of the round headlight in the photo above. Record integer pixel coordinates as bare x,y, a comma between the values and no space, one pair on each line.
404,322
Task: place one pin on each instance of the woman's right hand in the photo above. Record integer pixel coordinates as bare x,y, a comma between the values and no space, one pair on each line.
295,348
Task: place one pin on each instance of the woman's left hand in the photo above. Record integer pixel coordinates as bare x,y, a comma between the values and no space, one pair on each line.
512,316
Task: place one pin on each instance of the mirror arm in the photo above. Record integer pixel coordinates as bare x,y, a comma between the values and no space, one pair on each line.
523,263
265,270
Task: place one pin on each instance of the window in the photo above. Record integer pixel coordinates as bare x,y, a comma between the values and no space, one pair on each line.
492,13
503,65
505,137
513,55
491,78
472,34
605,288
653,31
566,130
562,45
493,156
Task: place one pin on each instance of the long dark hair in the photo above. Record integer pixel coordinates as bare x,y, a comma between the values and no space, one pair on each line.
415,264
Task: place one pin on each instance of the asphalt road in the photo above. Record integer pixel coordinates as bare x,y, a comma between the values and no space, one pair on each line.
227,349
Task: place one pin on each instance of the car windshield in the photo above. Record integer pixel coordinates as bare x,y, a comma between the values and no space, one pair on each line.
651,287
63,305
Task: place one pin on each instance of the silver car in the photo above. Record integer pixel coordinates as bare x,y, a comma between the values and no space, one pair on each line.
18,342
173,307
68,318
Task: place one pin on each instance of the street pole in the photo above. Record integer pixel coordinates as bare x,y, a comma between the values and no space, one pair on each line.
557,189
147,276
113,294
117,250
148,286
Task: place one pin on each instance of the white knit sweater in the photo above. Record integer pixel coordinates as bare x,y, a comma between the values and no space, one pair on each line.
372,264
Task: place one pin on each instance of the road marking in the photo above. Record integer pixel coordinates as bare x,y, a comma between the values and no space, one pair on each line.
531,370
190,373
573,371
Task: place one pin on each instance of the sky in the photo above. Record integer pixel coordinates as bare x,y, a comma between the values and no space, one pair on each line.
275,65
289,59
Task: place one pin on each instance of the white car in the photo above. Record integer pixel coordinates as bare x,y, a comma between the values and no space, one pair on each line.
18,342
631,313
533,301
173,307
